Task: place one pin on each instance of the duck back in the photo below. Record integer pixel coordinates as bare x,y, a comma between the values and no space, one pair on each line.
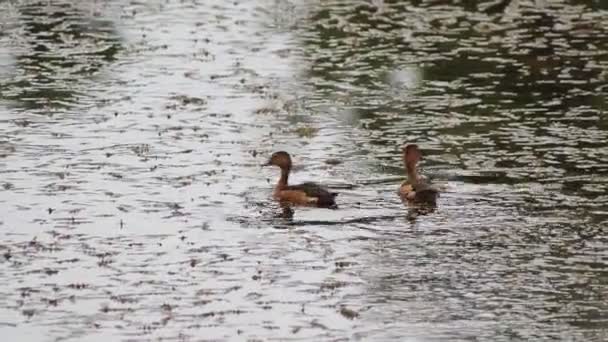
325,198
426,194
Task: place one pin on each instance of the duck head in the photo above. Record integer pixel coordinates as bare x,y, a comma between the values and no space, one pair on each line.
280,159
411,154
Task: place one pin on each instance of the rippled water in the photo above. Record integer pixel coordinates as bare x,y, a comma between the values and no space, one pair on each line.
134,206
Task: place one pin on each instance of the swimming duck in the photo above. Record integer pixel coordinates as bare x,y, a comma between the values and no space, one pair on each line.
416,190
308,194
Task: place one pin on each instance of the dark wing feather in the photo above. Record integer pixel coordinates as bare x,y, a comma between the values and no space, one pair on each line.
426,194
326,198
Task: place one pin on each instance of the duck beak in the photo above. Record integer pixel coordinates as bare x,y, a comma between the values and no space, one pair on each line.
268,163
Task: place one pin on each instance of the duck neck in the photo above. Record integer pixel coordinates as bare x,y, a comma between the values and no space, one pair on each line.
412,174
284,177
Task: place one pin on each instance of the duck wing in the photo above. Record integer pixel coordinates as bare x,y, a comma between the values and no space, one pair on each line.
325,198
426,194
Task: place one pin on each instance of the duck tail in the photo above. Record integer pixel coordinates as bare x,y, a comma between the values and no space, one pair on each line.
328,201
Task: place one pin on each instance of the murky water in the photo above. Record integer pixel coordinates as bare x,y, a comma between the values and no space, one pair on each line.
134,206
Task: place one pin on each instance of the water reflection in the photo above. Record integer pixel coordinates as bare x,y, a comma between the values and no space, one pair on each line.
57,44
142,212
509,94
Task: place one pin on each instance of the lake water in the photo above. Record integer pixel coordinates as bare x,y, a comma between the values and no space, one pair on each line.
134,207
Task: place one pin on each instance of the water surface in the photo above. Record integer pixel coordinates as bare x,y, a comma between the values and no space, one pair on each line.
134,206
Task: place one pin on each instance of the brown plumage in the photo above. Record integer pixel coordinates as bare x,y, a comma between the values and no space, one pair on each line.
308,194
415,190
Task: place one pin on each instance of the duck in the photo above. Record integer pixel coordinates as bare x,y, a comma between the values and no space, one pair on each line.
305,194
416,190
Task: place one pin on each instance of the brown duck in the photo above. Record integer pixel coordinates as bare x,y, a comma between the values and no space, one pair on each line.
306,194
416,190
